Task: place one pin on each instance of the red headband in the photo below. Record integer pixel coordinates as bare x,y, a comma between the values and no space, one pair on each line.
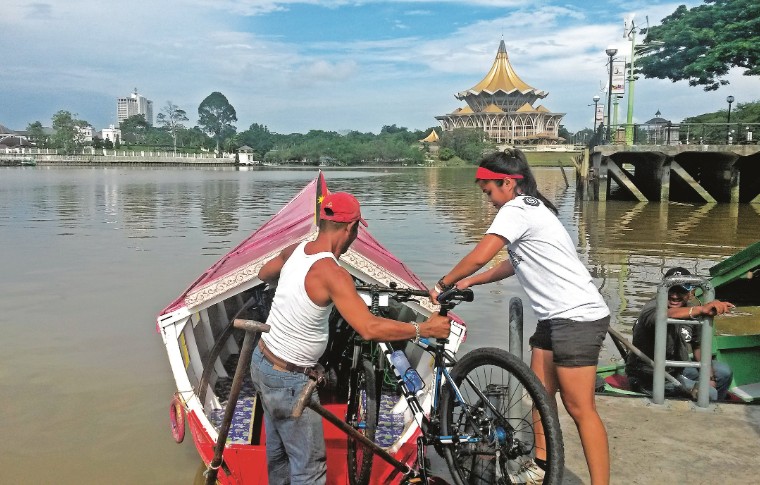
485,174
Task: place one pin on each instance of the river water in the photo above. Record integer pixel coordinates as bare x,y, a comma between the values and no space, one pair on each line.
89,256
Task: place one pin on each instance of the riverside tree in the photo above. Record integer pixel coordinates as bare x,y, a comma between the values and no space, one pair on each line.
703,43
36,134
135,129
171,118
216,117
69,132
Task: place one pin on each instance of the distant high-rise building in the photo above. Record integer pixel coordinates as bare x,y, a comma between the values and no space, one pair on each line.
135,104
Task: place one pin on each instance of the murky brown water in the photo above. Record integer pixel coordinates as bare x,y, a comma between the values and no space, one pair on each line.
89,256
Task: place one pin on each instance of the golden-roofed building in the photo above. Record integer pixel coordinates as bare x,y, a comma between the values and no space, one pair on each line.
431,138
501,104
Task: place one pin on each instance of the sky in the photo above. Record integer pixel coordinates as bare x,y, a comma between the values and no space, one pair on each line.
300,65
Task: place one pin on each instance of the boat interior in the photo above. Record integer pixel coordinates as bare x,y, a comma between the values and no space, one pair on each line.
206,327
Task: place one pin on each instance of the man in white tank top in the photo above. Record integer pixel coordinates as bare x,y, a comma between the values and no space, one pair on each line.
309,283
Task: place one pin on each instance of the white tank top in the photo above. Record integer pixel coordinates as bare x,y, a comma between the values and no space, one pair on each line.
299,327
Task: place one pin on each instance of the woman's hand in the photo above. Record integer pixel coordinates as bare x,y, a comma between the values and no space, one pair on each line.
434,295
464,283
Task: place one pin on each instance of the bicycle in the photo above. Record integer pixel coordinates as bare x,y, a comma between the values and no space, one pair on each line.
484,416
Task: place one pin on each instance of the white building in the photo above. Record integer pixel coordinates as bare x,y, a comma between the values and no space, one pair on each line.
135,104
111,133
85,133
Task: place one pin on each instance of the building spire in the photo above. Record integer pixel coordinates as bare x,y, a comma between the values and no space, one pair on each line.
502,77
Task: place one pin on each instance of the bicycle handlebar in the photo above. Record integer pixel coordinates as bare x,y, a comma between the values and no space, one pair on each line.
403,292
446,298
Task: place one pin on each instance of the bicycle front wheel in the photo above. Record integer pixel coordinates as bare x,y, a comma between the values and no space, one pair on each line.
362,414
504,417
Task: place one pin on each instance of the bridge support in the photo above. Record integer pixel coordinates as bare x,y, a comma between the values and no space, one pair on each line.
671,173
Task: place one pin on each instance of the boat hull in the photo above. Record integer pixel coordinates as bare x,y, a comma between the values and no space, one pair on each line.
203,350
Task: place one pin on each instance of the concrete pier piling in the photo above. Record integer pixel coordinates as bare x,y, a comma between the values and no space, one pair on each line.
684,173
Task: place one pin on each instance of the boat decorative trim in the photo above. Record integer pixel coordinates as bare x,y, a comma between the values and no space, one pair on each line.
356,260
231,280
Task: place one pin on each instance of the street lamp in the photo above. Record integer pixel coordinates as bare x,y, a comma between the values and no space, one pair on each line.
729,100
611,51
596,99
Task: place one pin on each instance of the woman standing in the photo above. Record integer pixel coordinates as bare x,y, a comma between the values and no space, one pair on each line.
572,316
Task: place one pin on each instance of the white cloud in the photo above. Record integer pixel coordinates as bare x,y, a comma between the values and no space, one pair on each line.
78,52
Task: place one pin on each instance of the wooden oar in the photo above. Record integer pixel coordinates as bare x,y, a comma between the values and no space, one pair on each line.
620,338
253,330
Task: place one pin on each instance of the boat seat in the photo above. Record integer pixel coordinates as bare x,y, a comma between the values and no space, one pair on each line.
618,381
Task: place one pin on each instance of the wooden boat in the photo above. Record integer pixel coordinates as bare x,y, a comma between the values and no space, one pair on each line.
736,339
194,329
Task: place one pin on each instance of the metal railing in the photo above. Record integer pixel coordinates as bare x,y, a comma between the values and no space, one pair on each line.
660,339
686,134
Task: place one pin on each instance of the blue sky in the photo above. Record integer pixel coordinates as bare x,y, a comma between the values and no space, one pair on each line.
323,64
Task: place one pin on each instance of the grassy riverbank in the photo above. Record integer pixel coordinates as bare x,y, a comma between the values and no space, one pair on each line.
536,159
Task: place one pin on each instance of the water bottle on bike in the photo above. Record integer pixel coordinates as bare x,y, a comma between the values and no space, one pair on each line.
411,377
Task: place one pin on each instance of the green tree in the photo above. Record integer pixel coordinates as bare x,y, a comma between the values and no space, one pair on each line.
134,129
215,117
703,43
445,154
196,138
563,133
36,134
68,132
467,143
258,137
171,118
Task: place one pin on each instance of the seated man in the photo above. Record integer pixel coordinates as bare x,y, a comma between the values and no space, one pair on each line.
677,344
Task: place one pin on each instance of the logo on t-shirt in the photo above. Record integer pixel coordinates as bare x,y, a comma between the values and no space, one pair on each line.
514,258
532,201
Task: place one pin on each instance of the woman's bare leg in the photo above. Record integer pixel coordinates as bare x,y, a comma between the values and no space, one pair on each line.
542,364
576,385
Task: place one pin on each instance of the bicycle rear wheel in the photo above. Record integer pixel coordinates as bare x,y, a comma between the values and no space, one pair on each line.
361,413
507,416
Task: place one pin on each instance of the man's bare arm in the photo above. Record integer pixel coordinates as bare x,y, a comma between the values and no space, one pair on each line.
343,293
270,272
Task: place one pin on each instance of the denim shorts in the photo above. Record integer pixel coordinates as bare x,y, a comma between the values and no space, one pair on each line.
574,343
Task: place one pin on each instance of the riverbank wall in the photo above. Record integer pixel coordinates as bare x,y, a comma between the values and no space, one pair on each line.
127,158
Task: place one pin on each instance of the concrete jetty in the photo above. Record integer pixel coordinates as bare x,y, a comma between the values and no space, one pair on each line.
671,444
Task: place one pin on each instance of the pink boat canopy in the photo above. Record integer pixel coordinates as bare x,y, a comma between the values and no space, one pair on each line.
295,222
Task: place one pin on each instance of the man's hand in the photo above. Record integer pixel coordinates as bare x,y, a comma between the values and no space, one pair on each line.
437,326
716,307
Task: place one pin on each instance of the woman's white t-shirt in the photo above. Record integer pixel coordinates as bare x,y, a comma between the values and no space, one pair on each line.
546,263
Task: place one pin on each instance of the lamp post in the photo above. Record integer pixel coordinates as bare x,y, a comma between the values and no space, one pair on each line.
729,100
596,103
629,133
611,51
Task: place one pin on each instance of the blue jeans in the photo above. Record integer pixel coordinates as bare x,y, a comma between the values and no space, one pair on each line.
723,376
295,447
689,379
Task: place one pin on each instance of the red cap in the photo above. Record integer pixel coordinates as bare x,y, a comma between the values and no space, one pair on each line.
341,207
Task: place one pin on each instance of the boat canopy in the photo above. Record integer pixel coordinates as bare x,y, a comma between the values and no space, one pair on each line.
295,222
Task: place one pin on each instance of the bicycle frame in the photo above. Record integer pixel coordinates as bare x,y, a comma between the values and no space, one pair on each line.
429,425
443,360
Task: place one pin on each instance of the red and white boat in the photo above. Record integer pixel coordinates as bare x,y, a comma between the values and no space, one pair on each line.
203,349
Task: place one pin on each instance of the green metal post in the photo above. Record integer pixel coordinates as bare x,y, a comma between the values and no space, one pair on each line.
615,119
629,116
